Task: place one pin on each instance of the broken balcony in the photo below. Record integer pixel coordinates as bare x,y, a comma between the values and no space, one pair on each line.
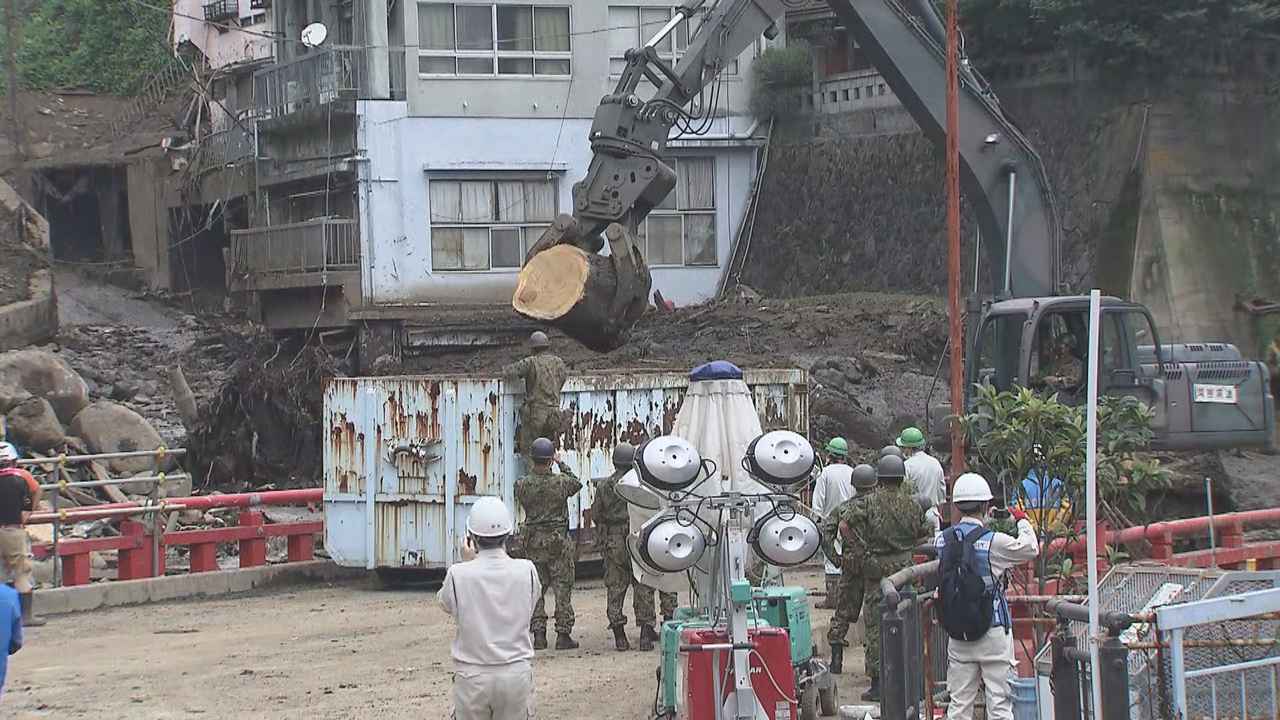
220,10
327,81
315,253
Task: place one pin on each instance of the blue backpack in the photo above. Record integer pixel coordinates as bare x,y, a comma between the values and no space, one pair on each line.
966,603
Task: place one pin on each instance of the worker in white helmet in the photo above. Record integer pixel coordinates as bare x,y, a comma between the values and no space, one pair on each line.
491,598
976,614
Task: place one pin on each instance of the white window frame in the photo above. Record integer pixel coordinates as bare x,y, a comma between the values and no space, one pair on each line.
530,230
684,214
676,52
495,54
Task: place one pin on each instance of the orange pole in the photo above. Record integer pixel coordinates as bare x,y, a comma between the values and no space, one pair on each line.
953,236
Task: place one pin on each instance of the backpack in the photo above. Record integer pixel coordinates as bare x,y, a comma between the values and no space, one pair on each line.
966,605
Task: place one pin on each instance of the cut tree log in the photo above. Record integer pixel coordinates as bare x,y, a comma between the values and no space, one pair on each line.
574,291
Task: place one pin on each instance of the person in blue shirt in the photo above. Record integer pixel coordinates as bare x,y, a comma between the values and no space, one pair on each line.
10,629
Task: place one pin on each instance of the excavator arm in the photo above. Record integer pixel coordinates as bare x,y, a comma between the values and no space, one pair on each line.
1002,177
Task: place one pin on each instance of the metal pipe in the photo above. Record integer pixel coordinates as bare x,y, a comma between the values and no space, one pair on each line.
64,516
889,586
977,259
116,481
1177,528
1213,540
209,502
177,452
1008,241
680,15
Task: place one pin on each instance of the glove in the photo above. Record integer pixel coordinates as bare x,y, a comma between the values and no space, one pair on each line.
1018,514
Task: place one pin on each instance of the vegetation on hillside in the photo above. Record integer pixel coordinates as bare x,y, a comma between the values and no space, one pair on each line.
110,46
778,78
1165,36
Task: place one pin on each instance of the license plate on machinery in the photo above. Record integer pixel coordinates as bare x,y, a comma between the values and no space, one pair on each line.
1223,394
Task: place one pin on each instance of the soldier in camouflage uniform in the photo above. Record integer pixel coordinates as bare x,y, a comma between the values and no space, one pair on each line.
850,587
544,498
544,374
613,524
884,528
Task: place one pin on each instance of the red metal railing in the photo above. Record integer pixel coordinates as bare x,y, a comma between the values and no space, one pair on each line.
137,542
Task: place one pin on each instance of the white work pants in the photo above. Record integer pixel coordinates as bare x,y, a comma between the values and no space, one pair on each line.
989,661
497,694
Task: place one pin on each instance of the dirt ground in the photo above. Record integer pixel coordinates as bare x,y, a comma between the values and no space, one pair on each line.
335,651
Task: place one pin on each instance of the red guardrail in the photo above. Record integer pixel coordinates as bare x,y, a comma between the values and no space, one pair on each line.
1231,552
137,541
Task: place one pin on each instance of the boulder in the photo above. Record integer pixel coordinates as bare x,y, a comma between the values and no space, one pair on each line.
48,376
34,424
11,395
108,428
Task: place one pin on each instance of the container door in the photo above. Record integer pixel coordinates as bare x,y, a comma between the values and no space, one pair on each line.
349,460
409,522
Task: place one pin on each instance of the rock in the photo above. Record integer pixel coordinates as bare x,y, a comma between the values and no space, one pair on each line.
11,395
34,424
107,428
123,390
45,375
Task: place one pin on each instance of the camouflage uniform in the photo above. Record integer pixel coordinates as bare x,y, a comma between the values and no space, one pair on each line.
883,528
850,586
540,416
544,496
613,524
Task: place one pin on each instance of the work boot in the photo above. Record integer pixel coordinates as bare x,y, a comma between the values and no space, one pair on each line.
620,641
837,660
648,636
29,618
539,639
872,695
829,602
564,642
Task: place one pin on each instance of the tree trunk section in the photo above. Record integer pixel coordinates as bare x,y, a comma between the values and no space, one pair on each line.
573,291
184,399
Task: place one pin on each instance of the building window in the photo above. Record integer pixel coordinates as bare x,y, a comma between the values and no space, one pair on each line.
682,230
882,88
508,40
487,224
631,26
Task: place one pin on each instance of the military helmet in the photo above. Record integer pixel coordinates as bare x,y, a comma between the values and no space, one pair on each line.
624,455
539,340
891,467
542,449
891,451
864,477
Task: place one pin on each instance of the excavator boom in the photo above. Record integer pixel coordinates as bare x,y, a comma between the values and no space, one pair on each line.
1003,178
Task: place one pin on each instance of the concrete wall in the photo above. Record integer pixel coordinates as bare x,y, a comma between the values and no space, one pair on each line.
403,152
33,321
543,97
229,45
149,221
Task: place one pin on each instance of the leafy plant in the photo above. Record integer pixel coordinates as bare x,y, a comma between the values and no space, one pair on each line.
779,76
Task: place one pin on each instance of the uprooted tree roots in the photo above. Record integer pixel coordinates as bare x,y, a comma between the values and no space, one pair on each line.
263,427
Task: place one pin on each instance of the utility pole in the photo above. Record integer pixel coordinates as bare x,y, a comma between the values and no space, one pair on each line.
11,61
953,236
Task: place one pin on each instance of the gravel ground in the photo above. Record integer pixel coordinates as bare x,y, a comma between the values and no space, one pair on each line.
338,651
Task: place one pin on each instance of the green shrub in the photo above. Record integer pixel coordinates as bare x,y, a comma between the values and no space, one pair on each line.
779,77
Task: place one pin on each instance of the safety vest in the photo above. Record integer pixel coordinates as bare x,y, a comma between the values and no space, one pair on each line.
982,548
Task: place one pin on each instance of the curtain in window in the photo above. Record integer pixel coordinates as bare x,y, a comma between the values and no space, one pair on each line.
696,183
551,29
700,239
623,34
540,201
511,202
446,202
435,26
475,248
477,202
446,248
475,27
515,27
664,240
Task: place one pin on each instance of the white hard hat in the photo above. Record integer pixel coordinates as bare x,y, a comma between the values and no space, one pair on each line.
489,518
8,452
971,487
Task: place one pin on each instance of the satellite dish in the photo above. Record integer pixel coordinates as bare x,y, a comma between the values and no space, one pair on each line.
314,34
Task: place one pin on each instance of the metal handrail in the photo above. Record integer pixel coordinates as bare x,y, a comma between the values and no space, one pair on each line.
312,246
324,76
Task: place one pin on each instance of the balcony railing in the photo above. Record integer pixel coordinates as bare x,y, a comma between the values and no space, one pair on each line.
323,245
219,10
226,147
853,91
322,77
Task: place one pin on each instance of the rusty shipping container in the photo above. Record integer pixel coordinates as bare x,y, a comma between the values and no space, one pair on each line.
405,457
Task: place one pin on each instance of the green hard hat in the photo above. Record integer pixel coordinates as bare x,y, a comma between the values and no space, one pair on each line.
838,446
911,438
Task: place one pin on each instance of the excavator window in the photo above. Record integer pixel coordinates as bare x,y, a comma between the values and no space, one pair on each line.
1058,354
998,350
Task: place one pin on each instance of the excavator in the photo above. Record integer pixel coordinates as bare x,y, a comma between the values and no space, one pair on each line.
1204,394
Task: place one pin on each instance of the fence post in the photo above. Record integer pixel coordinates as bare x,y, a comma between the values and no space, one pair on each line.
1233,537
75,569
253,551
1065,676
1161,538
135,561
893,666
302,547
1114,674
204,557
